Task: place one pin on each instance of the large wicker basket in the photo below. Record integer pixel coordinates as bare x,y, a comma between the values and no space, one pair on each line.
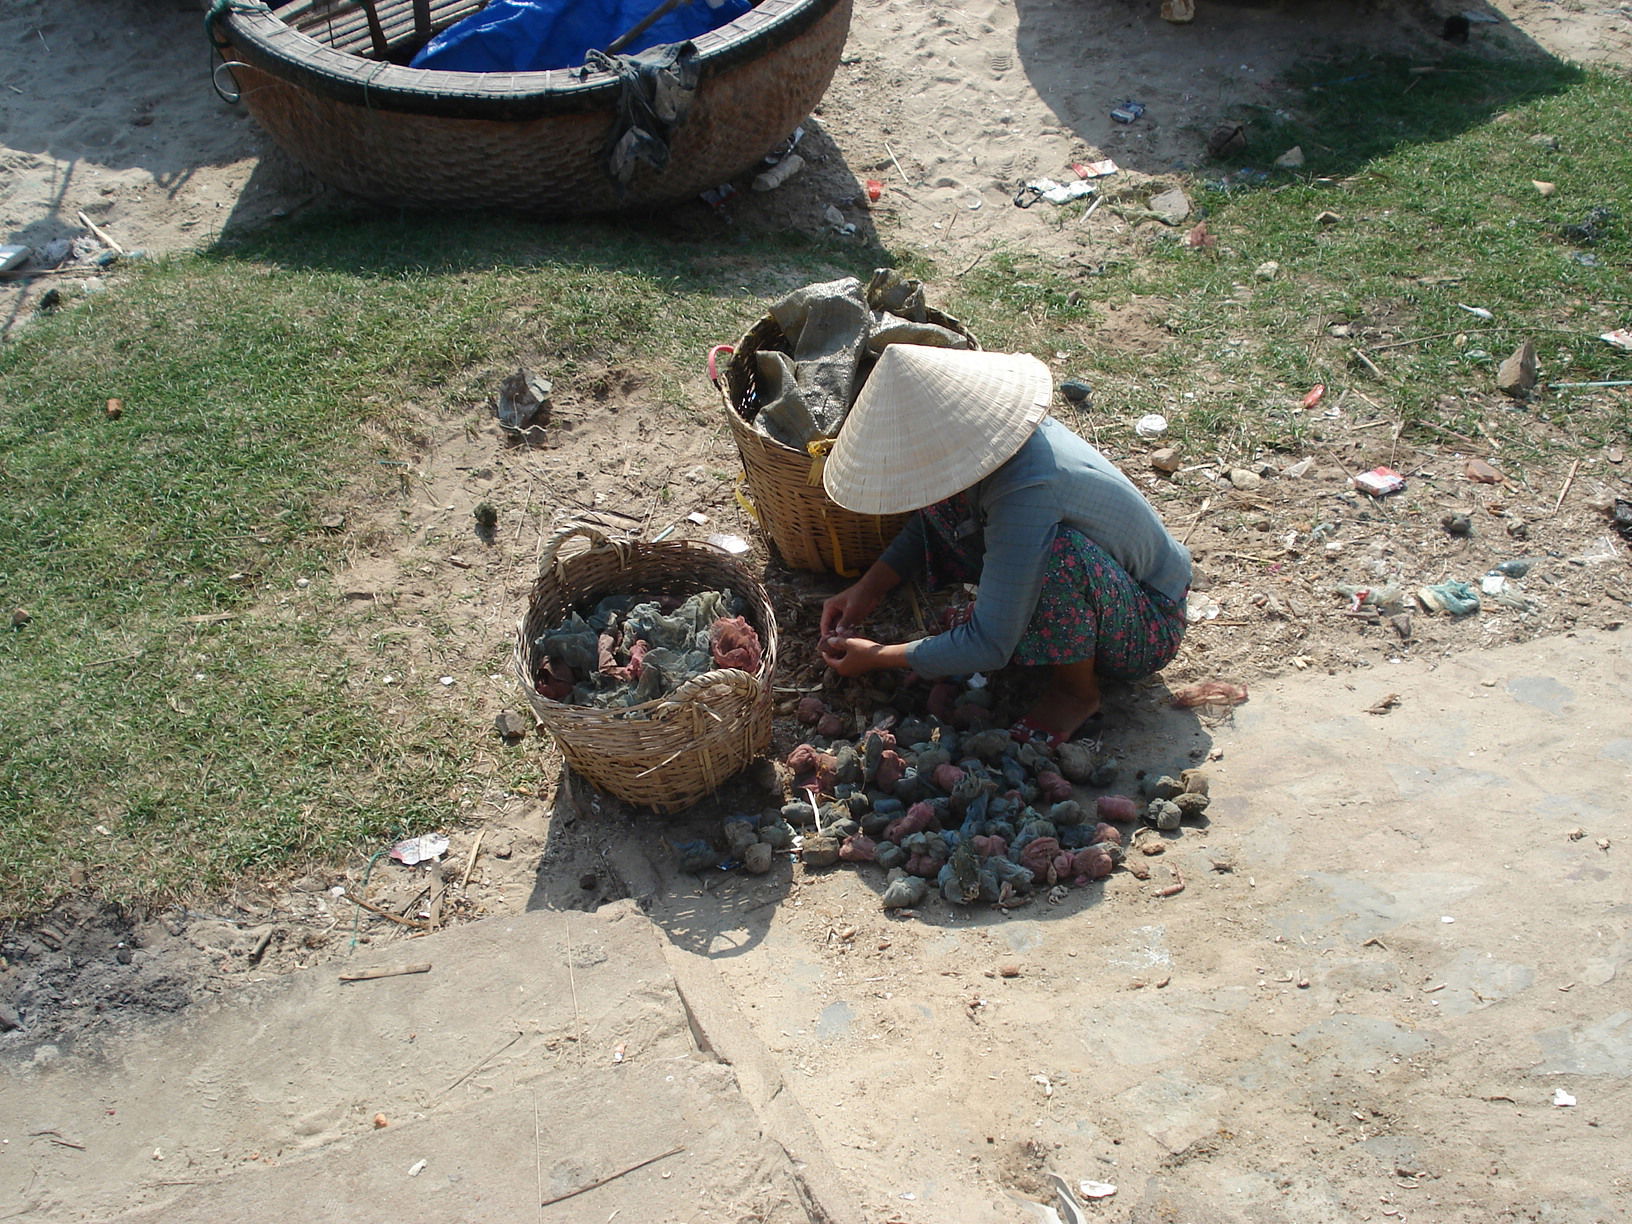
807,529
320,77
669,753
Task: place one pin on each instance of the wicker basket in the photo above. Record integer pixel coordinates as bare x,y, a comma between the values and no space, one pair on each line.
668,753
318,76
807,529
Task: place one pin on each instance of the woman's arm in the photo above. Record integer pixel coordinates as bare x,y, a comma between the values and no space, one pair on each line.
1020,529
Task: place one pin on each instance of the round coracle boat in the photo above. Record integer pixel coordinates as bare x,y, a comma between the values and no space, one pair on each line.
328,81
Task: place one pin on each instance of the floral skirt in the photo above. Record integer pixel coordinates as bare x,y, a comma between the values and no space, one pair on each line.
1089,607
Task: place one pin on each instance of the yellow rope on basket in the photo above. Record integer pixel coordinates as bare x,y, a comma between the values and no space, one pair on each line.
744,500
838,551
817,448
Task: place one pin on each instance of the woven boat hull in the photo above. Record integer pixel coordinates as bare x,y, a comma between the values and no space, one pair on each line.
534,141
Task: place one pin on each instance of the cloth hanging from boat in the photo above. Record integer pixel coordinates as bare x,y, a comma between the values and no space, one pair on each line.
534,35
655,91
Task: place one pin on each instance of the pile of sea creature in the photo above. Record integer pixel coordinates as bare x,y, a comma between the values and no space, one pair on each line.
629,649
946,801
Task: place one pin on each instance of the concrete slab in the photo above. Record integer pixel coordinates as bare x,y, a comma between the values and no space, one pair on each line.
541,1054
1365,1017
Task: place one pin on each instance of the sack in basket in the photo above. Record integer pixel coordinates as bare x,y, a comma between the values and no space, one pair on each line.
805,528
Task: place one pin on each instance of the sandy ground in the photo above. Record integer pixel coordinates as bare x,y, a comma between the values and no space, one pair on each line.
951,109
1332,1101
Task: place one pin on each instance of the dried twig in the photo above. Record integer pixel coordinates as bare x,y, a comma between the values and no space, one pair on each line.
51,1136
1191,530
894,162
1175,888
1568,481
415,923
601,1181
1377,348
479,1066
438,890
470,862
384,971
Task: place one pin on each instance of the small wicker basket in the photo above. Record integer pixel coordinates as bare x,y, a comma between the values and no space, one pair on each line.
668,753
805,527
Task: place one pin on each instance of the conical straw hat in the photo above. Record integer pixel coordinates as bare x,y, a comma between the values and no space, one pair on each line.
932,421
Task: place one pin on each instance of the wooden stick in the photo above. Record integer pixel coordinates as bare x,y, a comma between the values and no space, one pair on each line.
384,971
438,891
640,27
895,163
415,923
601,1181
1191,530
1371,365
470,862
1568,481
376,32
102,235
1175,888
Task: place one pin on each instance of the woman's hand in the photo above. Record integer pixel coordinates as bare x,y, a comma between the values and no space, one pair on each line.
851,607
847,610
854,656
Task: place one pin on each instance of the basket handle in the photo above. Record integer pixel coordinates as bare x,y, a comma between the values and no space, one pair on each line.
597,539
744,683
713,363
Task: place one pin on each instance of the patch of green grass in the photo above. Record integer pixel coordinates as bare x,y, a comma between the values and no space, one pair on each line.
1428,177
169,724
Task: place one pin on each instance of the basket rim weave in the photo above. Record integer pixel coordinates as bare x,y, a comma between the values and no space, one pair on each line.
253,32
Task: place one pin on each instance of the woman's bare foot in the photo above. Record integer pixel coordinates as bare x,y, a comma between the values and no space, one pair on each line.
1071,699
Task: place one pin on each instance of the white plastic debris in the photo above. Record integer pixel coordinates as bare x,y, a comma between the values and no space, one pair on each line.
1151,425
423,849
1477,311
1095,1189
1062,193
733,544
418,1167
1621,338
1562,1099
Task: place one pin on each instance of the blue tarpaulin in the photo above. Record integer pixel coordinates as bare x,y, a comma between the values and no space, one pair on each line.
533,35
